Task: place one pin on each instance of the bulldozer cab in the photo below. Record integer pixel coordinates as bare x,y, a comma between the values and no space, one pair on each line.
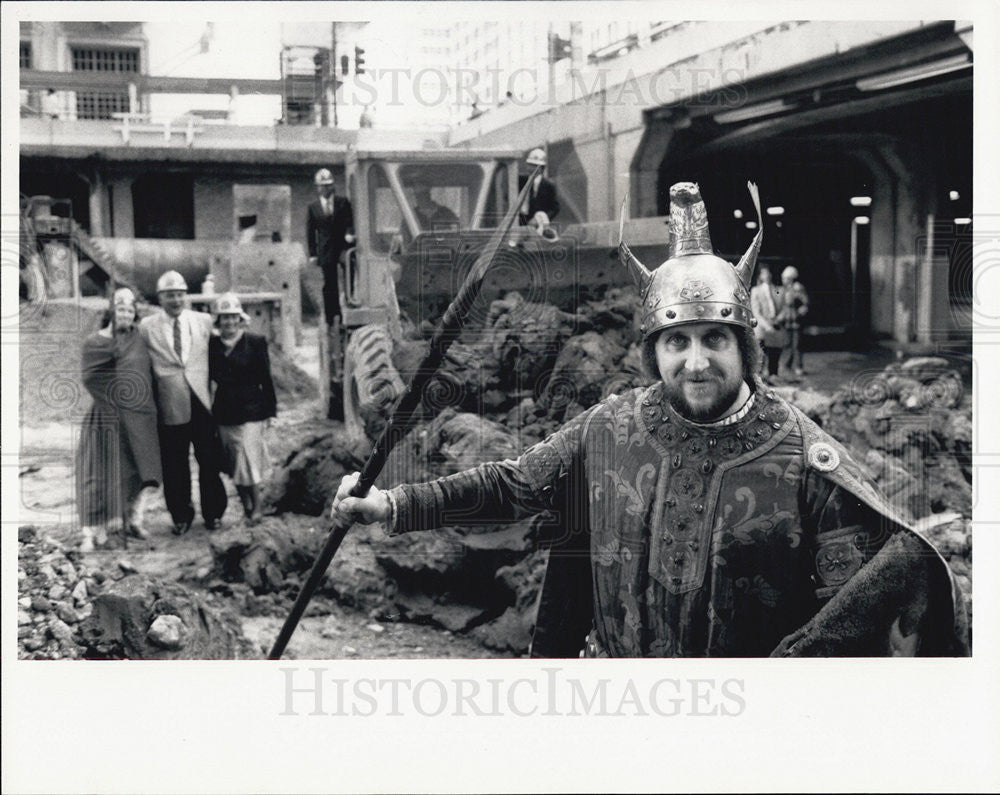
397,196
405,204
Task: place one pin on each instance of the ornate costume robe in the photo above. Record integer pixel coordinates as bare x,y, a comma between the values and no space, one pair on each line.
719,540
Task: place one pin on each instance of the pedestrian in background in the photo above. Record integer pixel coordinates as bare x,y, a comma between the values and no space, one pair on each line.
329,230
771,338
244,400
118,460
793,305
177,339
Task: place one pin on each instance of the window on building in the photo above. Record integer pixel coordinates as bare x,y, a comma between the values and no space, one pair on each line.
105,59
25,55
101,104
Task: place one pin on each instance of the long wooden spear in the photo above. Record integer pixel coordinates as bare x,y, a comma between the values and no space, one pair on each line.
402,415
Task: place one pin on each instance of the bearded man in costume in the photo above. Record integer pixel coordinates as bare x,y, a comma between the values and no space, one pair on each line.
704,515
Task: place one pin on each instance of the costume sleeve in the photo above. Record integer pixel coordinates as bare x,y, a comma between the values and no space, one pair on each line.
500,491
884,591
845,533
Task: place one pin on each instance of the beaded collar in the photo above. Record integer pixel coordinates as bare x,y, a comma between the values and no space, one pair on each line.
750,427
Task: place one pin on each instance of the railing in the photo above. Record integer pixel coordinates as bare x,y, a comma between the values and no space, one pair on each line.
188,126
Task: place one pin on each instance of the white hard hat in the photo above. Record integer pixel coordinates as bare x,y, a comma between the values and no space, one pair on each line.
791,272
323,177
229,304
536,157
171,280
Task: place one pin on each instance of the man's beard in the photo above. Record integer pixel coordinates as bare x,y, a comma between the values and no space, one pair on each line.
728,391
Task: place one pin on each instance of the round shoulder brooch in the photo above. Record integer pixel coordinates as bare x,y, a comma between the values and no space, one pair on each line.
823,457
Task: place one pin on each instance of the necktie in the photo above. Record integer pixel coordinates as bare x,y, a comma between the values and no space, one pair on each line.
177,337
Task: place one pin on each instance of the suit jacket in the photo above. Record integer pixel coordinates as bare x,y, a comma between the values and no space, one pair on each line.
177,377
325,233
543,198
244,389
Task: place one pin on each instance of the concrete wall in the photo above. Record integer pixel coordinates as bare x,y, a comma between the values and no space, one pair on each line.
213,202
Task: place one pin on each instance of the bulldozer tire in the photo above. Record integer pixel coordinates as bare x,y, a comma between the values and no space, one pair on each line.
371,383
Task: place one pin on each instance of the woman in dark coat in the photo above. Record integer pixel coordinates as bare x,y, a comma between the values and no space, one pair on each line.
244,400
119,454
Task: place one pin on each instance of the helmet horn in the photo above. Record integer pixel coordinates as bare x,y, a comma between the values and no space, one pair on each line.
745,267
640,275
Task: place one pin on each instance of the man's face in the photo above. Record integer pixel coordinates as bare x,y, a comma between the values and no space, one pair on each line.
701,367
172,301
324,191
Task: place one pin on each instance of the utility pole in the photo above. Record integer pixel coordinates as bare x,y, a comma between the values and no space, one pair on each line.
333,68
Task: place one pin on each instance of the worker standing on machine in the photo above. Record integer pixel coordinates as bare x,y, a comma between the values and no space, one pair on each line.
330,230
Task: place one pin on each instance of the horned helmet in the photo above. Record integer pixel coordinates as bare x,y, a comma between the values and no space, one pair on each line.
693,284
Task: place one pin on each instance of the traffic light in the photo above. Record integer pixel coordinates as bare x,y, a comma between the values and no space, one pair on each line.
559,48
345,65
359,61
321,62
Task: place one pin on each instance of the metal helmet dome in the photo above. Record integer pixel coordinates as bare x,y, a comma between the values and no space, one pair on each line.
171,280
693,284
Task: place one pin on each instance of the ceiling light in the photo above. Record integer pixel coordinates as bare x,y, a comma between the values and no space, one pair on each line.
775,210
737,214
753,111
953,195
914,73
861,220
963,221
750,224
861,201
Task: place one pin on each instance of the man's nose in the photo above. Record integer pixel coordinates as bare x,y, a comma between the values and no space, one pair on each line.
696,360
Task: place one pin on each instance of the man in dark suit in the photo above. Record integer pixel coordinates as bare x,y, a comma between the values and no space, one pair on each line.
329,230
542,204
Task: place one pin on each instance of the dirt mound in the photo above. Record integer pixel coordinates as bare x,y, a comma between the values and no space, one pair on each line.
911,424
143,618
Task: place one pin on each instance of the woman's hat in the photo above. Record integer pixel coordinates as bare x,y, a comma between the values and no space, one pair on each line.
229,304
123,296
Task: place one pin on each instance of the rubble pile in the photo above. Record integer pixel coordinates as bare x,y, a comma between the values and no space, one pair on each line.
911,425
55,590
143,618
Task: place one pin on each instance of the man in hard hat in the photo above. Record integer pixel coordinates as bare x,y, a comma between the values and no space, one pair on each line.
541,204
703,516
329,230
177,339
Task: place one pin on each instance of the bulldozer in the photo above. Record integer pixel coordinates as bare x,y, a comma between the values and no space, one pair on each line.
421,219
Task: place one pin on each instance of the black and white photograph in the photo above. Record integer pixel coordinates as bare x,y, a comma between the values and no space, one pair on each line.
391,377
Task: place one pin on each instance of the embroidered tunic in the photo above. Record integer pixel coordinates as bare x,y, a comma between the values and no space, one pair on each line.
703,540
